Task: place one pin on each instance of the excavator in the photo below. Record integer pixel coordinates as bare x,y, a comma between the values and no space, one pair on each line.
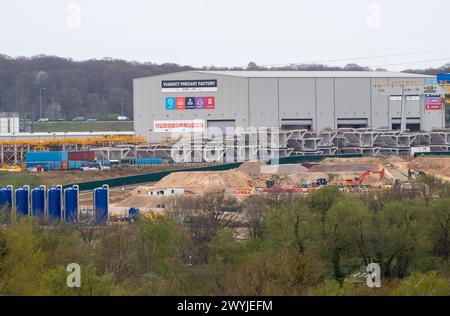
359,180
370,173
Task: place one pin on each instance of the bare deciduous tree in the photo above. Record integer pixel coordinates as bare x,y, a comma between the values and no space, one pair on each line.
255,212
203,216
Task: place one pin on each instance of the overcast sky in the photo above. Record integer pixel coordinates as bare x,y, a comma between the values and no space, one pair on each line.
395,34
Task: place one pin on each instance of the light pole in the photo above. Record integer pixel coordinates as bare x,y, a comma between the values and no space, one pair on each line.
40,101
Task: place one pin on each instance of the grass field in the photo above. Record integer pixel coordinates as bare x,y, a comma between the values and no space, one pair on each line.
75,176
19,179
44,127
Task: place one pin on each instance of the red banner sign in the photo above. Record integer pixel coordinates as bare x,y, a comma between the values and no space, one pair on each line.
432,107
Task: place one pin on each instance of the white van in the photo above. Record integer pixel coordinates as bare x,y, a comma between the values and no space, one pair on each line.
123,118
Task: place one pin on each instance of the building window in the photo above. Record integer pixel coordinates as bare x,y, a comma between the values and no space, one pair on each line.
293,124
352,123
412,123
412,127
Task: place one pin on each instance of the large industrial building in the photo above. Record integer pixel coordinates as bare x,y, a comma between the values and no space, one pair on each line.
193,100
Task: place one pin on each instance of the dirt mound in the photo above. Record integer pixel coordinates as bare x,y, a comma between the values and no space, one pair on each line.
252,168
348,165
205,181
395,159
439,166
283,169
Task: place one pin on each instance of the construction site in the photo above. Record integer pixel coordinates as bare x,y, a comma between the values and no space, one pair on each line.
372,131
353,175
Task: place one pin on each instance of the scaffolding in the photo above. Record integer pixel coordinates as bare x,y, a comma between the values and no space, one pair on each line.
275,143
263,144
13,151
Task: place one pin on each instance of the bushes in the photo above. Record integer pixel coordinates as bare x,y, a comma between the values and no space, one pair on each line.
296,246
423,284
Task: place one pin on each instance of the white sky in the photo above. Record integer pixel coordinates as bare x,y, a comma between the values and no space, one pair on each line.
232,32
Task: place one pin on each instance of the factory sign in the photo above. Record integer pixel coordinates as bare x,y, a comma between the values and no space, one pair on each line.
190,103
430,89
179,126
433,100
431,107
433,103
404,89
408,98
188,85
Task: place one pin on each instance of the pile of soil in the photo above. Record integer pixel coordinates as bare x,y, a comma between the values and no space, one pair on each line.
348,165
283,169
199,182
252,168
439,166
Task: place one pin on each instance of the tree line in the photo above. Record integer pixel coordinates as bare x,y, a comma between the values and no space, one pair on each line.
97,88
276,244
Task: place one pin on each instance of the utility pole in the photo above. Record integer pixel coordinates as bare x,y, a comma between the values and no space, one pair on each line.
122,106
40,102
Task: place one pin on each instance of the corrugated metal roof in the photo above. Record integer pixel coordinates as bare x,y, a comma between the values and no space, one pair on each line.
314,74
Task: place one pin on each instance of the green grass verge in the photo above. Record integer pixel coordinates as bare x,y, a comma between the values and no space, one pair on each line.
44,127
18,179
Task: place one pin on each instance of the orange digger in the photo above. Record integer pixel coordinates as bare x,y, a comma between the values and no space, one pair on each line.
358,184
370,173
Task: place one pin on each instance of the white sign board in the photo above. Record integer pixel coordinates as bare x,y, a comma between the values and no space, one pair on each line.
179,126
434,89
408,98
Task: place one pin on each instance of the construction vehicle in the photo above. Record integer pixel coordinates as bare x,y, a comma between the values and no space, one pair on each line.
370,173
415,173
357,185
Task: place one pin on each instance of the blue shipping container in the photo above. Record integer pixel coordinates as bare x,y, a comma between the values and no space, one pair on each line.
51,165
77,164
46,156
54,165
149,161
